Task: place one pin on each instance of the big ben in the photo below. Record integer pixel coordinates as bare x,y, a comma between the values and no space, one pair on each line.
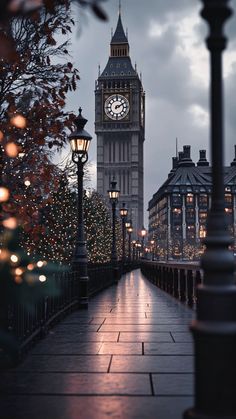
120,127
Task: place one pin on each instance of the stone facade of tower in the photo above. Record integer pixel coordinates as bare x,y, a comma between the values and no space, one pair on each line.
120,127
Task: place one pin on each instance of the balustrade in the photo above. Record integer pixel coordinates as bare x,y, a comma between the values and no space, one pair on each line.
178,279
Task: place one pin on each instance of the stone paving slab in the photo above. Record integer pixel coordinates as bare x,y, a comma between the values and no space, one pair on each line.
66,363
130,356
151,348
84,337
122,348
76,384
65,348
173,384
90,407
145,337
152,364
149,327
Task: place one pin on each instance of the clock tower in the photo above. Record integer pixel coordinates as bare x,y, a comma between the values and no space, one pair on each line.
120,127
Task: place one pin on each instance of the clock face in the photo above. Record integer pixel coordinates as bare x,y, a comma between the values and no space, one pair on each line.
116,107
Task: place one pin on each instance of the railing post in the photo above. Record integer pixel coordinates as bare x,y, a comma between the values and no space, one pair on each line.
176,292
214,330
182,285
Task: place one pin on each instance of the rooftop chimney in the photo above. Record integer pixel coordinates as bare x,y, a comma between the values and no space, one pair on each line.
202,159
174,165
186,157
234,160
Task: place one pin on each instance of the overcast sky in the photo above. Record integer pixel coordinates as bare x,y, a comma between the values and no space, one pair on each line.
167,41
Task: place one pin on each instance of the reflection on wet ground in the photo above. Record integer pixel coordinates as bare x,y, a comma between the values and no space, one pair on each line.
129,356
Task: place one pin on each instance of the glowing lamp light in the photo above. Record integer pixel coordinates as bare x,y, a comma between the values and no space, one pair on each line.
18,121
18,279
19,271
10,223
42,278
14,258
143,232
128,224
130,230
27,182
30,267
12,150
80,139
123,211
113,193
4,194
40,264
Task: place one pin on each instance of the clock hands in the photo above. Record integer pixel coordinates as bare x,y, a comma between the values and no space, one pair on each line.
118,106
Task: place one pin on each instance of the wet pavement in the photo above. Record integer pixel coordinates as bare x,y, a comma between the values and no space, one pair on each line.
129,356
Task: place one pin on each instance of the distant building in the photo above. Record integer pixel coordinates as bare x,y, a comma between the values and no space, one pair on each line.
178,210
120,126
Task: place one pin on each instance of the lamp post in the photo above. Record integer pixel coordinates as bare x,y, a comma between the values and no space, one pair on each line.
80,142
123,214
152,242
114,193
133,249
138,247
214,330
130,231
143,235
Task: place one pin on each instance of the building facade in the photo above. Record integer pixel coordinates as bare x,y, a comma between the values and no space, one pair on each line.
120,127
178,210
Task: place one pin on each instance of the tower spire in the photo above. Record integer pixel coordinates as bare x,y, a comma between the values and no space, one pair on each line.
119,7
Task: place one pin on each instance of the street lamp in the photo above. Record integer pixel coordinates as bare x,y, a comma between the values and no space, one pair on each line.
114,193
133,250
123,214
138,247
152,242
130,231
80,142
143,234
128,224
214,329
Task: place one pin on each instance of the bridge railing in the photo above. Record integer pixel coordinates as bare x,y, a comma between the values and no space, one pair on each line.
27,321
179,279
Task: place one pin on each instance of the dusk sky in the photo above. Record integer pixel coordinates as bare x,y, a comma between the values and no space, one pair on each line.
167,41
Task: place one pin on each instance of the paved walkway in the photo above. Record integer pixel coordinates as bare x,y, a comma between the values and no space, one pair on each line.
128,357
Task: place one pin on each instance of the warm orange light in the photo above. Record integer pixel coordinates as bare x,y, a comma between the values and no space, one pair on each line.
18,280
4,254
12,150
14,258
4,194
30,267
10,223
19,271
40,264
1,136
18,121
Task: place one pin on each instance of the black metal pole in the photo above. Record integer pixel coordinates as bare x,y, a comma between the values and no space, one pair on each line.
129,247
3,282
80,261
123,240
114,259
214,330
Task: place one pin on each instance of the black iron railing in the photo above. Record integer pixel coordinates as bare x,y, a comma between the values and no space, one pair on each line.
178,279
29,320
